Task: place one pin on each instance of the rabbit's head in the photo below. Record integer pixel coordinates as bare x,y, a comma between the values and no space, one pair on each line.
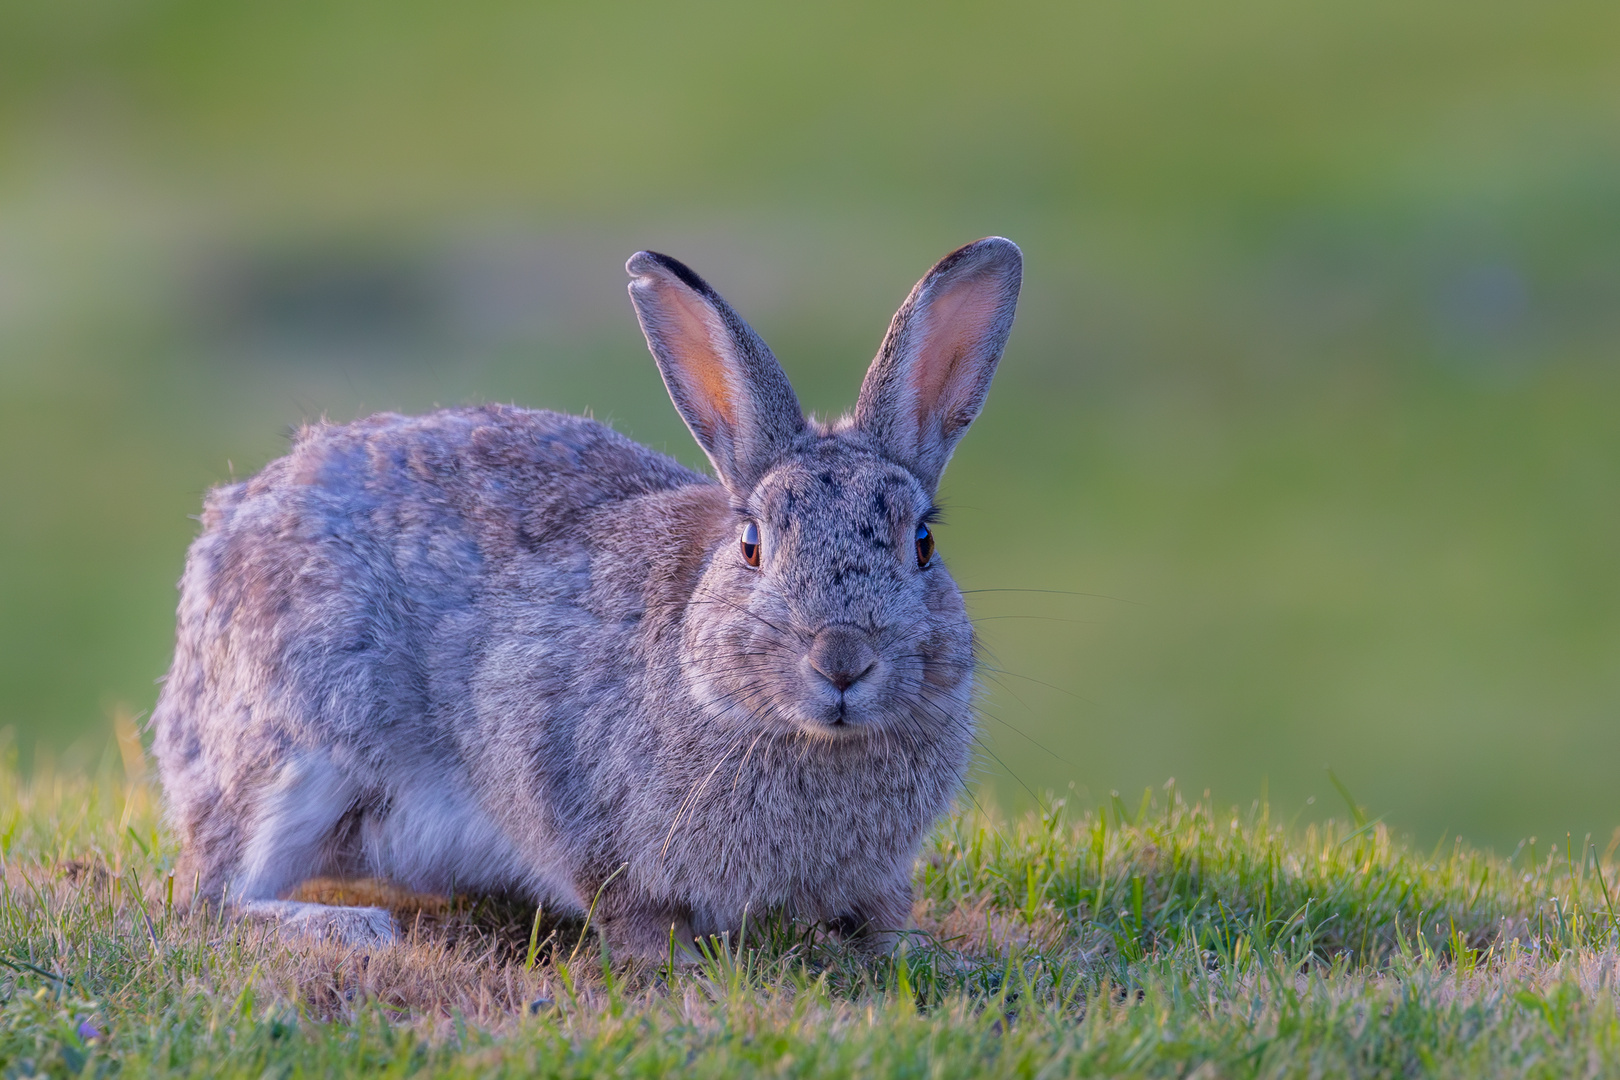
823,607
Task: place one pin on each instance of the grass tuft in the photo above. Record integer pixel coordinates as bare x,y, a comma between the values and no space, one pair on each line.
1174,939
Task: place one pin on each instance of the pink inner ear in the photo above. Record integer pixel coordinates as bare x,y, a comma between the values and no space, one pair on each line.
956,322
694,344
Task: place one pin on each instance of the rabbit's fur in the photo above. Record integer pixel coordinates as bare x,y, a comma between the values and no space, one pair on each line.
492,649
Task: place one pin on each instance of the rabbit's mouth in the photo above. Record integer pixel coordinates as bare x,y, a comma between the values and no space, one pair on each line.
832,713
841,676
839,716
842,681
873,701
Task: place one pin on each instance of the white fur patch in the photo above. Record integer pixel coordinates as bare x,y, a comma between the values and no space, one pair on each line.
347,925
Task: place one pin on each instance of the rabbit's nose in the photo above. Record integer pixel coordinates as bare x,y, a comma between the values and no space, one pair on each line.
842,655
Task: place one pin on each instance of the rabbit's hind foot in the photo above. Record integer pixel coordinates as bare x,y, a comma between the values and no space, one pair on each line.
345,925
653,936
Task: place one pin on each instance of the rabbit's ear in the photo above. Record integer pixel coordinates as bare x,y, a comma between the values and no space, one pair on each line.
722,377
933,371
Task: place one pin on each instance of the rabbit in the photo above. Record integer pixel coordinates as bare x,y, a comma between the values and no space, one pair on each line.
498,650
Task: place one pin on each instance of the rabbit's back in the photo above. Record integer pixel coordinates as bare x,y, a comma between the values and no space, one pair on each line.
336,606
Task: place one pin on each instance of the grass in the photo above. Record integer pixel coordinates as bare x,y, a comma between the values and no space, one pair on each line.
1169,939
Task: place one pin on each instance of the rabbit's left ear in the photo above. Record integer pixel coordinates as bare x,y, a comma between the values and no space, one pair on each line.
932,374
724,380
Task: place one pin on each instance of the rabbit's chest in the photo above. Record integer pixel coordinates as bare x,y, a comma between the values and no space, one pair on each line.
807,834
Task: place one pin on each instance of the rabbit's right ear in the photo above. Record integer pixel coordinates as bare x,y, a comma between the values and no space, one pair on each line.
933,371
724,380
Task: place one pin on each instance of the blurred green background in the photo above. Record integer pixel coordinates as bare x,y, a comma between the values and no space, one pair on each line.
1308,425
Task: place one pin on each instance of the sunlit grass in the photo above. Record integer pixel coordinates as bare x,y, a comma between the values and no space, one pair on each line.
1152,939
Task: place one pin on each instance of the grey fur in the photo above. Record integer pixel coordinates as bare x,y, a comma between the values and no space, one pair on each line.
507,650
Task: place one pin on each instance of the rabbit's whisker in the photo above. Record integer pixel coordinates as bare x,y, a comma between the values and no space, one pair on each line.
727,601
923,697
691,798
983,666
688,805
743,764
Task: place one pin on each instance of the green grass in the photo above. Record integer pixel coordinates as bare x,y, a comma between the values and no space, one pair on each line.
1164,938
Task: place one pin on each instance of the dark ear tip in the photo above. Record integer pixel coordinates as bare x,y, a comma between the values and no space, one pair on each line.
652,264
993,254
1000,244
995,249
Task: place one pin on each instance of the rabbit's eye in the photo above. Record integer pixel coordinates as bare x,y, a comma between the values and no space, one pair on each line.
925,545
750,544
